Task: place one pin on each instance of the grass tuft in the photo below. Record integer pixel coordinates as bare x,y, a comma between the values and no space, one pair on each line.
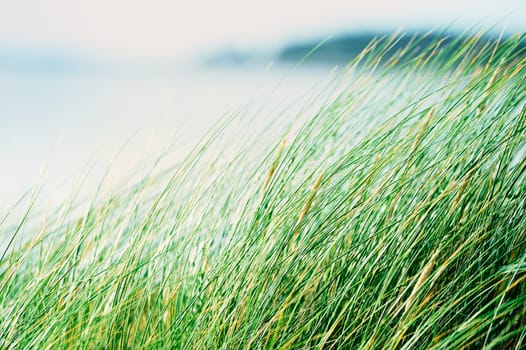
391,213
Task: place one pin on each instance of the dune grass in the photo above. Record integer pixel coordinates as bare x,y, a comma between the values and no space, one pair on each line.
391,216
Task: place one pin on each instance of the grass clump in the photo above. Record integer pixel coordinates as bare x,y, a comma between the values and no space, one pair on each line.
391,215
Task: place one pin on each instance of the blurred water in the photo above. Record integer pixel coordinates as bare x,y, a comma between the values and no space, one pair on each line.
62,122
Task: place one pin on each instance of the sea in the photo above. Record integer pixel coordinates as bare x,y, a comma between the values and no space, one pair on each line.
61,131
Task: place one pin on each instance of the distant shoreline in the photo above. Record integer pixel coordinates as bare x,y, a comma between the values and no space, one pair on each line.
344,47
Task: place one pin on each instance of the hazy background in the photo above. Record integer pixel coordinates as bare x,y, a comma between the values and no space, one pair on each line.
79,78
162,30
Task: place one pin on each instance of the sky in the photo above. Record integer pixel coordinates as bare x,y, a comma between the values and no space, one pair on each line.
162,29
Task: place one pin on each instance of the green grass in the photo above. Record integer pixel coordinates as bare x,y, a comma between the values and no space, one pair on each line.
390,214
